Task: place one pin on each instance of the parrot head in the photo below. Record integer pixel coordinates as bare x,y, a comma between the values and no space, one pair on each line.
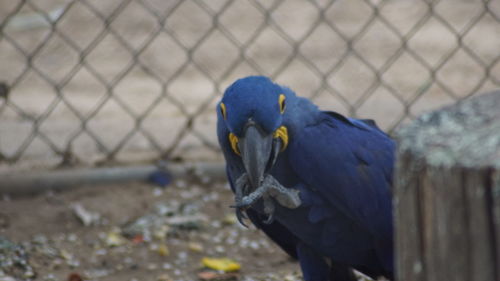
253,110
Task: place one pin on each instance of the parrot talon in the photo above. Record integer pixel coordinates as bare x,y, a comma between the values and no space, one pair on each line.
241,187
269,209
240,215
269,189
270,219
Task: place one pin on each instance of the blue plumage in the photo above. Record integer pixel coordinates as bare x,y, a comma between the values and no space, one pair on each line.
320,187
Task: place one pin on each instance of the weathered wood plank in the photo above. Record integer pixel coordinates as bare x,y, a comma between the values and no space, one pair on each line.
494,199
481,255
427,202
409,260
446,246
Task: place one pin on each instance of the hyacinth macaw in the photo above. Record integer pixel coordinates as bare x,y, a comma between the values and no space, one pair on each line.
317,183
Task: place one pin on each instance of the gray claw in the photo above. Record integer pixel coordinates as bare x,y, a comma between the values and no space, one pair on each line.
240,187
269,209
241,216
270,219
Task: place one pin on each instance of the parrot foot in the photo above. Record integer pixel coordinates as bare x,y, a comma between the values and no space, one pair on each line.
286,197
241,187
269,190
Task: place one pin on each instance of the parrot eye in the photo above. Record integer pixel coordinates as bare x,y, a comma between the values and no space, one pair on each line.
282,103
223,110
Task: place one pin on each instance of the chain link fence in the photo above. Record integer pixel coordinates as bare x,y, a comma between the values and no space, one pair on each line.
90,81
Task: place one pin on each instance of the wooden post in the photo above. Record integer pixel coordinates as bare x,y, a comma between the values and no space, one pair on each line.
447,194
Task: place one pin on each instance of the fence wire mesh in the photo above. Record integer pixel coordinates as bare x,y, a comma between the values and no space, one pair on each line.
94,81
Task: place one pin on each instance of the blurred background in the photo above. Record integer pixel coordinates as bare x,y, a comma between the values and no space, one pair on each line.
88,82
92,83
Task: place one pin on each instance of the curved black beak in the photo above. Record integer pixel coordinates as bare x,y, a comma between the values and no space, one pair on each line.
259,152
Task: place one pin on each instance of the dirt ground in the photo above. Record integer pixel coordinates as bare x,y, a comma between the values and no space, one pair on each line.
58,244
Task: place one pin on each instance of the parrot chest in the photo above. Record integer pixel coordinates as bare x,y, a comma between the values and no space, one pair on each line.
333,234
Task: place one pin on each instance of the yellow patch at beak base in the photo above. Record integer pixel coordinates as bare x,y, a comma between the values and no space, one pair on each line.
282,133
233,140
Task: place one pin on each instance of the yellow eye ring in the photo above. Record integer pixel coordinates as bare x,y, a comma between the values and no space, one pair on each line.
282,104
223,110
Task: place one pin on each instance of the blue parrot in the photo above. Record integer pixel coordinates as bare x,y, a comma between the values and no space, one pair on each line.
316,182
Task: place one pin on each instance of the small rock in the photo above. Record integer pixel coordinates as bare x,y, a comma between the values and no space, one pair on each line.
216,224
75,277
50,277
146,226
166,266
230,241
160,233
292,277
212,276
86,217
56,264
254,245
152,266
72,237
114,239
188,222
195,247
166,209
180,184
7,278
182,256
157,192
164,277
65,254
206,179
101,252
40,239
97,273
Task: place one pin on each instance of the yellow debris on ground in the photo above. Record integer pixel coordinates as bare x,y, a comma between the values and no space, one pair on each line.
163,250
229,219
223,264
